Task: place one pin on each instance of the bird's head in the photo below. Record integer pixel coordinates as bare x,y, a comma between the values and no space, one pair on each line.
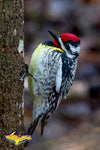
69,43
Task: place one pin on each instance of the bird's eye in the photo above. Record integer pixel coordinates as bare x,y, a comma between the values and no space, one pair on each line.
67,46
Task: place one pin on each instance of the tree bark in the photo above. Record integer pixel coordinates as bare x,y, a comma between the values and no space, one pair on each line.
11,60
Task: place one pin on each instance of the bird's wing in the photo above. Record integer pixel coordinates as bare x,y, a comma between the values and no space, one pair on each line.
49,78
48,84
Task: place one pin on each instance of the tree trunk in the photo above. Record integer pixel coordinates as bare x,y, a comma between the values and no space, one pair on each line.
11,60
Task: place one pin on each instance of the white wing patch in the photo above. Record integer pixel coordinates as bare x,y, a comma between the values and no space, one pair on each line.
59,77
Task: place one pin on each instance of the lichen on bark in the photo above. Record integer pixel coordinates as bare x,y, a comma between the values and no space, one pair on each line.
11,68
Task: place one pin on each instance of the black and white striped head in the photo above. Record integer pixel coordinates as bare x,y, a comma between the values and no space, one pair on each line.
69,43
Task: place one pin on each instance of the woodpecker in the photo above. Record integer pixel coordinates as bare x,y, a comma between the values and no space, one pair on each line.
52,69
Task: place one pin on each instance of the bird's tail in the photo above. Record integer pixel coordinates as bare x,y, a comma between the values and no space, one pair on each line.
31,128
43,123
33,125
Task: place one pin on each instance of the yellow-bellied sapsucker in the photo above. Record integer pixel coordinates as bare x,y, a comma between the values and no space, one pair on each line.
53,66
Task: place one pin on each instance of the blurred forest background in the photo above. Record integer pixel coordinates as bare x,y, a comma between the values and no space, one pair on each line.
76,123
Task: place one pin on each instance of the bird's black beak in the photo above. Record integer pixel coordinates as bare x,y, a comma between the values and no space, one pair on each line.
55,37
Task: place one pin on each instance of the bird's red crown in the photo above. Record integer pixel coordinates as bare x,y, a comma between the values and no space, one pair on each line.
69,37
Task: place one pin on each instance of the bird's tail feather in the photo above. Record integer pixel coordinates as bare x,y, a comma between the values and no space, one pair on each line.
31,128
44,121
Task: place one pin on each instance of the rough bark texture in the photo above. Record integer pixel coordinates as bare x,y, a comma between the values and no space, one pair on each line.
11,59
